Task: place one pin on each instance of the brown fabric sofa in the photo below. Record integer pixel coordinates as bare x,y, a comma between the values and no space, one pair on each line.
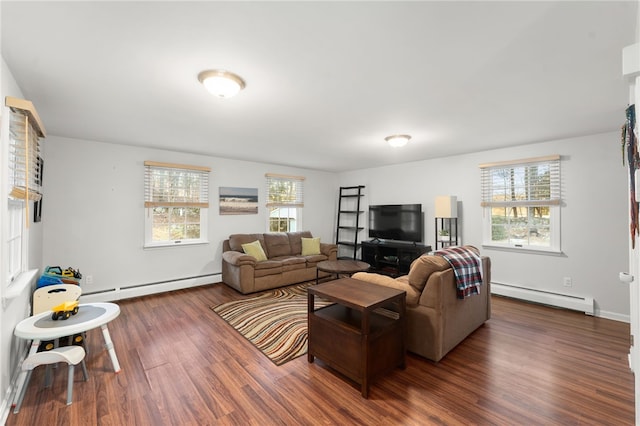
284,265
436,319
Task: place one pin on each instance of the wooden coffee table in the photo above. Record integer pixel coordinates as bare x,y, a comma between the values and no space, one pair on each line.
362,335
341,266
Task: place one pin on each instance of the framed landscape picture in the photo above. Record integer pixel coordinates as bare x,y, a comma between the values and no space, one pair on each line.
238,200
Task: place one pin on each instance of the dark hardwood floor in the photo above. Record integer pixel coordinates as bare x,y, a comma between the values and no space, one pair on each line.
183,365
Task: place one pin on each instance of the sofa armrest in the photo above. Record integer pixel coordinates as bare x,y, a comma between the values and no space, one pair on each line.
437,290
238,259
329,250
373,278
238,270
400,283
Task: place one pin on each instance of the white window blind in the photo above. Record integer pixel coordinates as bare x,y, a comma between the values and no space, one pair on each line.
285,191
521,203
177,202
25,131
169,185
527,182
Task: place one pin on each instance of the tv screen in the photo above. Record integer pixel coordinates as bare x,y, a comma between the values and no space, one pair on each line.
401,222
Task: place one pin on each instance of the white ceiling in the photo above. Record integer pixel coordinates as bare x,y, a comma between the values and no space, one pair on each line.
326,81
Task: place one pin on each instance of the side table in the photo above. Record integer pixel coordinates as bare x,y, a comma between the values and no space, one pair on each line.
341,266
362,335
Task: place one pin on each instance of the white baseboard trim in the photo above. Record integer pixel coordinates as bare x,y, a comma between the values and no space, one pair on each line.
613,316
120,293
5,408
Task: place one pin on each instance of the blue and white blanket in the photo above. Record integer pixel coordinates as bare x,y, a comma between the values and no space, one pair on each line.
467,267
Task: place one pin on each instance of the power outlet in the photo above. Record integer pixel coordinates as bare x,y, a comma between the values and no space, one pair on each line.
568,282
88,279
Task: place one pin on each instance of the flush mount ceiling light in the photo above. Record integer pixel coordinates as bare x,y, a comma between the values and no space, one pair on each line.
223,84
397,141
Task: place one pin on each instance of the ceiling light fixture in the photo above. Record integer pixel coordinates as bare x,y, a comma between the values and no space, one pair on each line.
223,84
397,141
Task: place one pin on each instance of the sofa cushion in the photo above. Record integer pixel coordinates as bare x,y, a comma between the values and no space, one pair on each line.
424,266
313,259
291,263
295,240
401,283
289,260
269,264
237,240
268,267
277,244
255,249
310,246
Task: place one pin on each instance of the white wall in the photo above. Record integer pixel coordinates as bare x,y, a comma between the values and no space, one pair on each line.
93,212
593,215
12,349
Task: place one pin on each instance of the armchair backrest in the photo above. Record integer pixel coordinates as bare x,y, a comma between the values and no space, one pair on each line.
422,268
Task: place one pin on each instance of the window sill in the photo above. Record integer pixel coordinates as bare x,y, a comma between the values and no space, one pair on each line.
17,287
174,244
531,250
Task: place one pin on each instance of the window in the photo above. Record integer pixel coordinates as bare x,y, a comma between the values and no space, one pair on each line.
521,201
24,184
14,239
176,204
285,200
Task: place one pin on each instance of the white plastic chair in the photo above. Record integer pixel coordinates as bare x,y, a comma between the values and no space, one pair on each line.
45,298
72,355
49,296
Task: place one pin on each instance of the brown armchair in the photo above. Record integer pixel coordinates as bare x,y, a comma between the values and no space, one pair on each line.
436,319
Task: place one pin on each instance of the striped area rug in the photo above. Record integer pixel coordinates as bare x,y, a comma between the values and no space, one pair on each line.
275,321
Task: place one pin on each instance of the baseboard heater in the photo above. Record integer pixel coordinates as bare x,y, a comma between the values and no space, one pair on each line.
118,293
576,303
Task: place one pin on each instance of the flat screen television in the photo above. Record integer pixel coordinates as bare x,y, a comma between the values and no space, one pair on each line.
402,222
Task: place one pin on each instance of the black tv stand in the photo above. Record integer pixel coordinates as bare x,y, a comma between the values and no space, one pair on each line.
391,258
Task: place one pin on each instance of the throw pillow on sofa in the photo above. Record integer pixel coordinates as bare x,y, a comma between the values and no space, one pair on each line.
310,246
254,249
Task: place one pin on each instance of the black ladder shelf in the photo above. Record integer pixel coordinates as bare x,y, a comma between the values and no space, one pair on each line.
348,223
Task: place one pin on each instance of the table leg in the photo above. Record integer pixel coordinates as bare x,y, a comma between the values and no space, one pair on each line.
23,373
366,353
403,318
109,345
311,304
